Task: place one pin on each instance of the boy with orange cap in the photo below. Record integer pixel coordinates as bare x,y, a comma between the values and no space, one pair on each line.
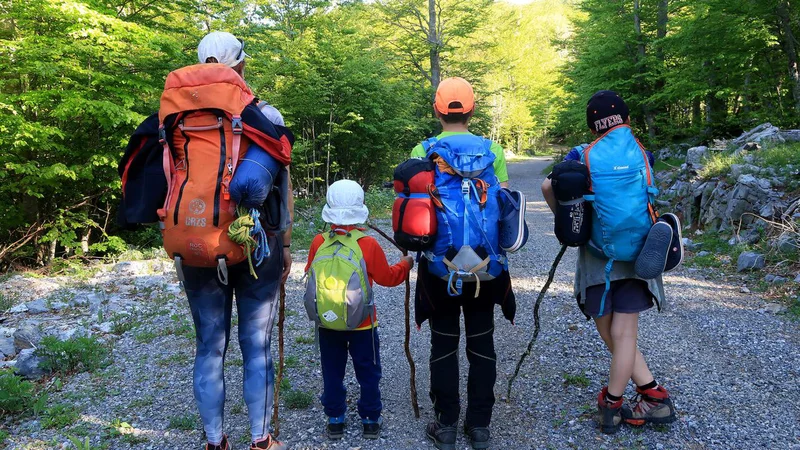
454,106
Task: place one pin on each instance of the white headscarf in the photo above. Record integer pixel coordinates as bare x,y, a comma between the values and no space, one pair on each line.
223,46
345,204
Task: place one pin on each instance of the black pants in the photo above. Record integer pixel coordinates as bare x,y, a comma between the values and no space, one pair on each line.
445,335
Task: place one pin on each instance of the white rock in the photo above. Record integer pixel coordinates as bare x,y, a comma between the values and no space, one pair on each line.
21,308
7,346
104,327
744,290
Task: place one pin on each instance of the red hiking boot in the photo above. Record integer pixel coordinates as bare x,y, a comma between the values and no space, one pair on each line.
609,415
650,406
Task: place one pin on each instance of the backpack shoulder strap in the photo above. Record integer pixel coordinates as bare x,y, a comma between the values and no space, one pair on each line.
428,145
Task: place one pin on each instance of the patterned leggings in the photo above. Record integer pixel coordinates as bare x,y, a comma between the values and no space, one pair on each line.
211,303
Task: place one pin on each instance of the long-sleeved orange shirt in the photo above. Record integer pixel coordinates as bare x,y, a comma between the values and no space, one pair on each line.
378,268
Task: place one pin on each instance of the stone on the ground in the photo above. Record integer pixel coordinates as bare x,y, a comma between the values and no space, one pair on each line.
765,131
752,146
104,327
21,308
27,336
70,333
773,308
786,243
37,306
797,278
7,348
775,279
744,290
28,364
750,261
132,268
703,253
690,245
696,155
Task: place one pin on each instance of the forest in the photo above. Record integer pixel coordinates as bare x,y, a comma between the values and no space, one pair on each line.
355,81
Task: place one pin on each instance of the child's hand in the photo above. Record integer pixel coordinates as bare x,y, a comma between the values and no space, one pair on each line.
410,261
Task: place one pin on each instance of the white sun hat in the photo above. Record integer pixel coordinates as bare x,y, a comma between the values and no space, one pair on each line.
345,204
222,46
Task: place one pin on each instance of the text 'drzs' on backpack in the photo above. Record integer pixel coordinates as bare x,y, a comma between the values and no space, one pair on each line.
413,212
208,118
466,248
622,195
338,294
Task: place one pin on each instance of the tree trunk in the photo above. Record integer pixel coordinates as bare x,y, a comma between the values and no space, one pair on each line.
85,241
52,251
434,42
790,47
697,115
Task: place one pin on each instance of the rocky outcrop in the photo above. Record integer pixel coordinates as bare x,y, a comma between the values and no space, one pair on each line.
737,198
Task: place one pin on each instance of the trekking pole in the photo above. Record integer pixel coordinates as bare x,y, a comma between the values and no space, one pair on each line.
535,319
407,345
279,377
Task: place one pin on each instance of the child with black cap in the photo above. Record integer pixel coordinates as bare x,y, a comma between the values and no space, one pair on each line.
614,294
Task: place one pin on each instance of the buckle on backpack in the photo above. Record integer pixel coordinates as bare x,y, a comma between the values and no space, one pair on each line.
465,186
236,124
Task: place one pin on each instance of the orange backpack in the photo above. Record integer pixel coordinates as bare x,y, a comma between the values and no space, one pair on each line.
204,138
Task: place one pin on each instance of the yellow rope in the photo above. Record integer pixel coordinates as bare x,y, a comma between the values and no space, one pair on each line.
239,232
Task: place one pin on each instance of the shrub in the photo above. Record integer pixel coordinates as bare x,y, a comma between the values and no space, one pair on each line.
16,394
59,416
297,399
186,422
719,164
80,354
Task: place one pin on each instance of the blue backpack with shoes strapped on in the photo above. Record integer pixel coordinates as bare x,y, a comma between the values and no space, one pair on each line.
468,206
622,195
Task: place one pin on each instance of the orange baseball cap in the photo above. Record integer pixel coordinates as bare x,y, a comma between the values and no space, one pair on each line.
454,95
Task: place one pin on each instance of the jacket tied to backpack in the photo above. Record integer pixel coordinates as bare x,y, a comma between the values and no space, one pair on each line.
466,248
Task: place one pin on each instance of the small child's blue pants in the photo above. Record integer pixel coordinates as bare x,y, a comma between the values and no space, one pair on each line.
363,346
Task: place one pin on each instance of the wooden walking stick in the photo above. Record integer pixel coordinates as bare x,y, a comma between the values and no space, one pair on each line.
279,377
411,365
535,319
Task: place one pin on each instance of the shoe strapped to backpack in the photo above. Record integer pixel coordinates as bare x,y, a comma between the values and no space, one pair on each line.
513,227
675,256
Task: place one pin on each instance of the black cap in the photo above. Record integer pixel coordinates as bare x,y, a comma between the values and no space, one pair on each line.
605,110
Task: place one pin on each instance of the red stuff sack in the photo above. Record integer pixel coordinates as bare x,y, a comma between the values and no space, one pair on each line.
413,212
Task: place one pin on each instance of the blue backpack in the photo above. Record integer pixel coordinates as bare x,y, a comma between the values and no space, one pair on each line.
467,245
623,191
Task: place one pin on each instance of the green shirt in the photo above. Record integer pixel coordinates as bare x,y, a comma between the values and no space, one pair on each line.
500,168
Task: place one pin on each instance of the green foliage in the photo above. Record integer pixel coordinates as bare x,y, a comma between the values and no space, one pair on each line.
719,164
3,436
78,354
185,422
379,201
295,399
708,67
304,339
59,416
779,156
579,380
16,394
6,302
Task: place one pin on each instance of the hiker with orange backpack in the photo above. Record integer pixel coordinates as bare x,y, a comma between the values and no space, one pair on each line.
621,259
209,124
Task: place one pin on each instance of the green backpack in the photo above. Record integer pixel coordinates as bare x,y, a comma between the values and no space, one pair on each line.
338,294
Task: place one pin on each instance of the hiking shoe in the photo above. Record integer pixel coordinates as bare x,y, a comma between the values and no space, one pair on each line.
650,406
675,256
372,428
653,257
478,436
609,415
223,445
268,443
443,436
513,228
335,427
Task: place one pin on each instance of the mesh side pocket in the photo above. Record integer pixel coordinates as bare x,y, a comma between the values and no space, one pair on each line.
356,308
310,297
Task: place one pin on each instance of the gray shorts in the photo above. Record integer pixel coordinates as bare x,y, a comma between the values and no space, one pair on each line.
626,296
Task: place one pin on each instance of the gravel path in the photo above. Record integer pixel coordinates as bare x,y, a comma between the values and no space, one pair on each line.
731,366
